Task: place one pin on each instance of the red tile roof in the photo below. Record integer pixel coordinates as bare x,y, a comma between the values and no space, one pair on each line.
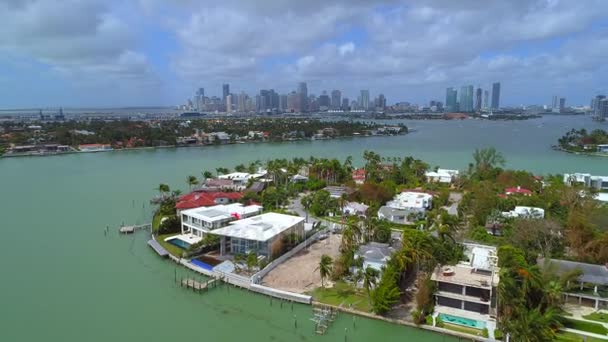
518,190
205,199
359,174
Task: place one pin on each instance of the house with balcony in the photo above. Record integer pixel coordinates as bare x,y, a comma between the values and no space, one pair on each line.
590,289
442,176
200,221
525,212
261,234
599,183
466,292
406,207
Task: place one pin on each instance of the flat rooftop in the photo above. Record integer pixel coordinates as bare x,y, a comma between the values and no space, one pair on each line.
259,228
462,274
221,212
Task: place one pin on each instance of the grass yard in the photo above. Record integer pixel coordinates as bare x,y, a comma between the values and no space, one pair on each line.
571,337
459,328
597,316
595,328
343,294
174,250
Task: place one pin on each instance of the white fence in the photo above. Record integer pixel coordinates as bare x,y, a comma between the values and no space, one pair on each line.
291,296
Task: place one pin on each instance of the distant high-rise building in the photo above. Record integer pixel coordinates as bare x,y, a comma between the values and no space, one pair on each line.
486,96
324,101
451,96
496,95
199,99
602,109
466,98
345,103
478,100
555,102
364,102
336,99
595,102
283,103
303,93
562,104
225,91
381,102
242,102
229,103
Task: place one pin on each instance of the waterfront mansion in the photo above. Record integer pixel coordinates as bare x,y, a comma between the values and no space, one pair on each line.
242,229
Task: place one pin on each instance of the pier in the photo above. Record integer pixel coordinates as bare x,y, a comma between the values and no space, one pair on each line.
160,250
323,317
133,228
196,285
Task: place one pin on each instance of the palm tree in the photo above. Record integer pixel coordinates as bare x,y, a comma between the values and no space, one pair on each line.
370,277
207,174
324,268
306,203
162,189
191,180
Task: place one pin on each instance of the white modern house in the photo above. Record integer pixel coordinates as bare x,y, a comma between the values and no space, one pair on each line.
442,175
525,212
199,221
599,183
262,234
242,178
405,205
466,292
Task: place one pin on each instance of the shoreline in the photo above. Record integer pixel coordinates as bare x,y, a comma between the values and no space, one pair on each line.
192,146
259,289
590,154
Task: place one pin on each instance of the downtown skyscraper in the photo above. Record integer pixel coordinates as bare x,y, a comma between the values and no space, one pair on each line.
364,100
451,100
496,95
466,99
478,100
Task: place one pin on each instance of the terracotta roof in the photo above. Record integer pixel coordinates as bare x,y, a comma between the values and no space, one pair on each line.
518,190
359,174
204,199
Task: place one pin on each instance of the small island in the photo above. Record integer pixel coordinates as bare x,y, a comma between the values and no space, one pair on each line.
584,142
43,138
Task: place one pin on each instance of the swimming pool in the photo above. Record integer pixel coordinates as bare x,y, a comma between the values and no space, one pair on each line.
471,323
179,243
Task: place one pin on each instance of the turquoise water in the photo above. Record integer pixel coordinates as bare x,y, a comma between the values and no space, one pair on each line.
64,280
471,323
179,243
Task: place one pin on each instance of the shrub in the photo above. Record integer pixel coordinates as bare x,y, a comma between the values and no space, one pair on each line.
429,320
595,328
484,332
498,334
170,225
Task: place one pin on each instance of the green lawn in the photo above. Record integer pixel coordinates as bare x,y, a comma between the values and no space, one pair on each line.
343,294
598,316
459,328
571,337
595,328
156,221
174,250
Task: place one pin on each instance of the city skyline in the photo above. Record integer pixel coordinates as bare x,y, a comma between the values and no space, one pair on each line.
154,52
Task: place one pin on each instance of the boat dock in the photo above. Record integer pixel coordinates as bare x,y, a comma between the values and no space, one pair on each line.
132,229
197,285
160,250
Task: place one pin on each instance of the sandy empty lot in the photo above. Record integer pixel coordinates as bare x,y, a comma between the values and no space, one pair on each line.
299,273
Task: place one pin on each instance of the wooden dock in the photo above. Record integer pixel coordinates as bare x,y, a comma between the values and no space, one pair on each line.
133,228
160,250
195,285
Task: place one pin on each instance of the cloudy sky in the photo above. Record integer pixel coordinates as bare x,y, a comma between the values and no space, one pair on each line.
157,52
